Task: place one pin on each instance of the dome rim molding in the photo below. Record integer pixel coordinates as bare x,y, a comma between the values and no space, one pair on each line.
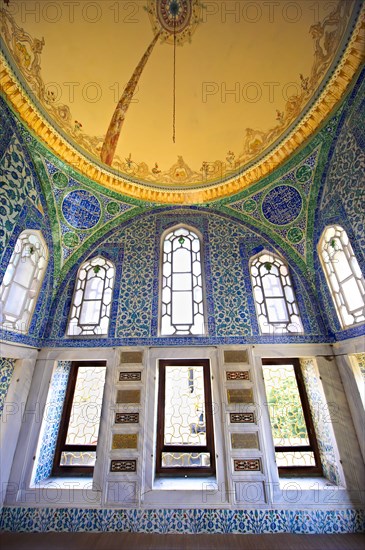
333,92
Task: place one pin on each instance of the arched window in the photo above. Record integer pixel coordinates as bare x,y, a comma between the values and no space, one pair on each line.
90,310
276,306
22,281
343,275
182,306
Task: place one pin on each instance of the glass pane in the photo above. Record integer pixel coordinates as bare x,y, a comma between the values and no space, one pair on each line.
285,408
90,312
341,265
184,406
15,300
181,281
86,406
181,260
75,458
94,288
272,286
182,308
352,294
25,272
276,310
295,458
185,460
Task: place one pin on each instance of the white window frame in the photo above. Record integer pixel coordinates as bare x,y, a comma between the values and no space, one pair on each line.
181,491
74,326
29,245
178,332
334,239
284,278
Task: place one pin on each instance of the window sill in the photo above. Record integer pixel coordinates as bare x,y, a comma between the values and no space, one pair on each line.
185,484
81,483
305,483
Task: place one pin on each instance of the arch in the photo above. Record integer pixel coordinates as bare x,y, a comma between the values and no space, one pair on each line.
343,275
22,281
92,298
182,307
276,306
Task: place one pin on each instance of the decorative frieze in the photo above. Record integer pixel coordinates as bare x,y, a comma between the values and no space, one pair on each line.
130,376
238,375
247,465
126,418
242,418
123,466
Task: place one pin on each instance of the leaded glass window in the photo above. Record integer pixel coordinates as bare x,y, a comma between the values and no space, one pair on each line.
296,448
185,423
343,274
22,281
276,306
79,427
182,302
90,311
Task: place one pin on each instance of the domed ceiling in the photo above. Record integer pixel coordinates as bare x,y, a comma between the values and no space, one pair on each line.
177,100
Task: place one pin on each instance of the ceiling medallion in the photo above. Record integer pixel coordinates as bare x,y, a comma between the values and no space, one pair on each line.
174,19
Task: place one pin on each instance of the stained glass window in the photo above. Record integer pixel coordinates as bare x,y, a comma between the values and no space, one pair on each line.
181,302
343,274
79,428
276,306
90,311
22,281
185,424
292,427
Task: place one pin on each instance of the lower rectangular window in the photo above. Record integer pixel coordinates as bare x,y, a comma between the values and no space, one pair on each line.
79,427
296,448
185,442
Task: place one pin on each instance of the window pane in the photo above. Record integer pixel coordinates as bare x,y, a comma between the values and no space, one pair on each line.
76,458
184,406
181,301
185,460
272,285
341,265
15,301
86,406
276,310
182,313
90,313
285,408
25,271
181,281
181,260
276,307
295,458
353,294
94,287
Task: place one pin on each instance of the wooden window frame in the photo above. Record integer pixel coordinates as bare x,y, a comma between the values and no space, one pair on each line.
313,444
160,445
61,445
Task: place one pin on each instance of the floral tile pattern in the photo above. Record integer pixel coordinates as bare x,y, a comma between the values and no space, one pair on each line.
321,420
179,521
51,421
6,372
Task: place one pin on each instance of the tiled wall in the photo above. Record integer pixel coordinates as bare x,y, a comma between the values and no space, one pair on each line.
321,419
36,187
51,421
6,372
196,521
